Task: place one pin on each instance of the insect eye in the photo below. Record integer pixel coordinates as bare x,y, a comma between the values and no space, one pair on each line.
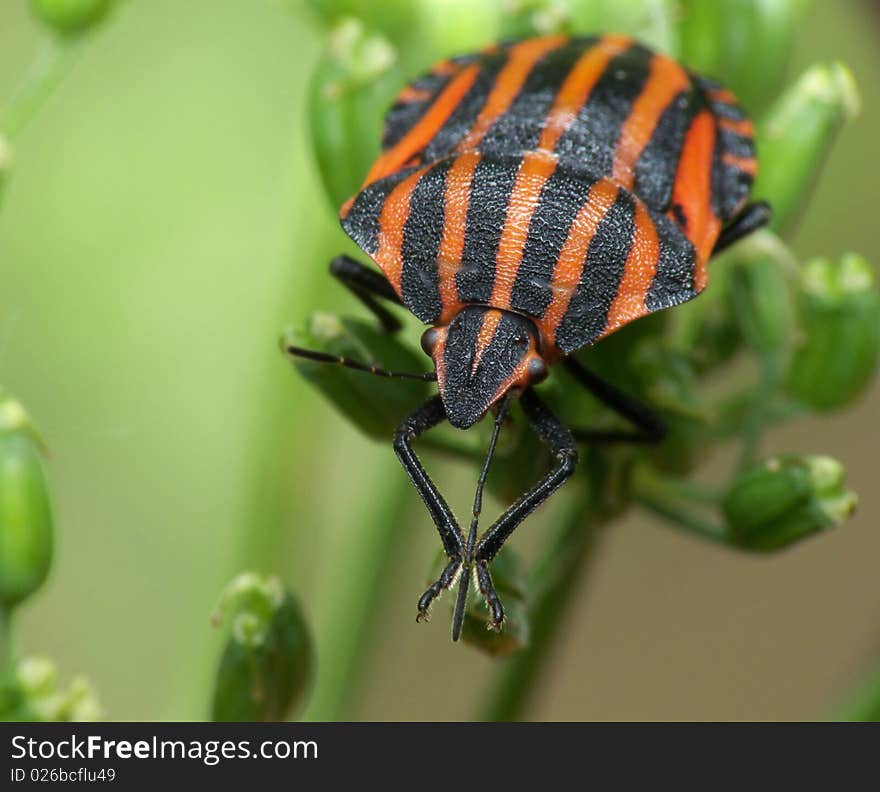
537,370
429,340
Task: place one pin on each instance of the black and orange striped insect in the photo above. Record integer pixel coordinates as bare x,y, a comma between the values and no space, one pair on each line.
529,200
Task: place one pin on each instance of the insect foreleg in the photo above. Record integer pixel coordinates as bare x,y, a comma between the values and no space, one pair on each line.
416,423
548,427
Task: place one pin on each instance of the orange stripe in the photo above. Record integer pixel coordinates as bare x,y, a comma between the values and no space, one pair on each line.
534,170
537,167
747,164
666,80
639,271
521,59
578,85
444,68
722,96
426,127
570,265
410,94
458,190
742,127
392,220
692,191
491,320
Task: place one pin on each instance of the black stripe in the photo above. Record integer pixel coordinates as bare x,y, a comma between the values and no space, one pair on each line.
561,200
673,282
721,108
487,208
656,167
459,123
591,139
362,221
519,128
730,111
587,312
419,277
736,144
730,185
404,115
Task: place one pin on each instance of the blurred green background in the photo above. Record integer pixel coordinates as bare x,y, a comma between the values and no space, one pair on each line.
163,224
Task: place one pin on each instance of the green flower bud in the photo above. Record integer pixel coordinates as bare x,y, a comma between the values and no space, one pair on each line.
651,21
353,85
67,17
795,134
25,513
33,694
374,404
393,18
449,28
784,499
510,584
759,295
266,667
535,17
744,43
836,354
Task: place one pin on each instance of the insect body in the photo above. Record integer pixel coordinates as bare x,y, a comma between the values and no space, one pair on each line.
529,200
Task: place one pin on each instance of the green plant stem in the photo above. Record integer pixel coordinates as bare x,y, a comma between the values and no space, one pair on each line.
50,68
758,413
732,411
343,636
673,501
866,708
8,651
561,568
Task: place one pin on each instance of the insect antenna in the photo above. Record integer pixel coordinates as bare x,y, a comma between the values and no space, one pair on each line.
464,583
341,360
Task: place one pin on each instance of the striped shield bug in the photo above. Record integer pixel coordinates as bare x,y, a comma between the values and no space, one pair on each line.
529,200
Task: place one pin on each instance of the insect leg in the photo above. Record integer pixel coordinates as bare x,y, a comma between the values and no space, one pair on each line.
556,435
484,582
416,423
649,427
752,217
367,284
445,581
